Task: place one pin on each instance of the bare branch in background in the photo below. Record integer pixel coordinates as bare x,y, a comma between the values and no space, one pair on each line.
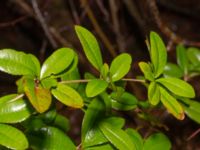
43,23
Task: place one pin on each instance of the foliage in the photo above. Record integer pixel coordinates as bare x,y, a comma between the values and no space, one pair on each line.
28,118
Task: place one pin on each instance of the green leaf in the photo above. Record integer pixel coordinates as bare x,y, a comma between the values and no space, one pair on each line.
192,110
153,93
95,87
37,64
171,104
50,138
147,71
14,109
172,70
94,112
194,55
62,123
177,86
119,138
125,102
90,46
74,75
48,83
136,138
39,97
105,72
182,59
120,66
116,122
68,96
12,138
57,62
17,63
101,147
158,54
157,141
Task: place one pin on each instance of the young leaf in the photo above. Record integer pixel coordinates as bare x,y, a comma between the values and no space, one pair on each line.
177,86
105,72
95,87
90,46
68,96
94,112
57,62
194,55
13,109
117,137
48,83
158,53
147,71
157,141
193,111
39,97
172,70
12,138
62,123
136,138
171,104
50,138
73,75
17,63
154,93
182,59
36,63
125,102
120,66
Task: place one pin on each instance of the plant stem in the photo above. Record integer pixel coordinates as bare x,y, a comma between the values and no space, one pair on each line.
87,80
133,80
75,81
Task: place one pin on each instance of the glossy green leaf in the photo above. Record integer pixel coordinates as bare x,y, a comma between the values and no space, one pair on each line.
120,66
147,71
171,104
125,102
158,54
68,96
90,46
39,97
101,147
94,112
74,75
14,109
154,93
48,83
50,138
177,86
36,63
182,59
157,141
62,123
105,72
12,138
193,110
94,137
136,138
17,63
107,101
172,70
119,138
95,87
194,55
57,62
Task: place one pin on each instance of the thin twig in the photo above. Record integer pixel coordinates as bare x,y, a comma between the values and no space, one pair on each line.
43,23
166,30
193,134
18,97
133,80
74,81
98,29
14,22
74,12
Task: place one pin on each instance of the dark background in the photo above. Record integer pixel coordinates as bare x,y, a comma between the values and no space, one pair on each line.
42,26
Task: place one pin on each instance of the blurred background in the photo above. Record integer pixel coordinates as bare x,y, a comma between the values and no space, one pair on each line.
41,26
